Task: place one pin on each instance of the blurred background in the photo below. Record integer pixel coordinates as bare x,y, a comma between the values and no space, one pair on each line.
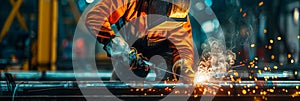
37,36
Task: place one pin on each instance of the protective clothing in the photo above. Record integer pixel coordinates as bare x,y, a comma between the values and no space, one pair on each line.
187,73
138,61
116,47
176,43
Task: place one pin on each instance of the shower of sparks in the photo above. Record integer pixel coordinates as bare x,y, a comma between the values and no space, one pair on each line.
215,61
201,77
214,65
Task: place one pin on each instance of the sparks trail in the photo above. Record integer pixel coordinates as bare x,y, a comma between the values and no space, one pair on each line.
237,66
155,67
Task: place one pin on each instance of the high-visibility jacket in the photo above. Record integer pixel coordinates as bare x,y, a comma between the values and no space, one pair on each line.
108,12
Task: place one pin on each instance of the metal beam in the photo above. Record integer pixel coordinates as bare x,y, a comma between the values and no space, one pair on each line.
19,17
10,18
54,34
47,34
74,9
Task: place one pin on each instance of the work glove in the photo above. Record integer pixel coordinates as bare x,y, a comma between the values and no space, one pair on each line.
116,47
186,71
138,63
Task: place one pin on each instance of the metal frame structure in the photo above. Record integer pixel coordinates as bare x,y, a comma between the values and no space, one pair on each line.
47,34
14,13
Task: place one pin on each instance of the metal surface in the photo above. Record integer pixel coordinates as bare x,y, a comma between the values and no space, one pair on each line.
69,75
70,89
63,85
149,84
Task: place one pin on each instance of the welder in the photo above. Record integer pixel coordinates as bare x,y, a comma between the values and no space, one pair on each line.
175,45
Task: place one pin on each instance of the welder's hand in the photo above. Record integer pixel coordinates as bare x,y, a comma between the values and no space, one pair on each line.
186,69
117,47
137,60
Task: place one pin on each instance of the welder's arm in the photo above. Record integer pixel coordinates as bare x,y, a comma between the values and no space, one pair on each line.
99,21
102,16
